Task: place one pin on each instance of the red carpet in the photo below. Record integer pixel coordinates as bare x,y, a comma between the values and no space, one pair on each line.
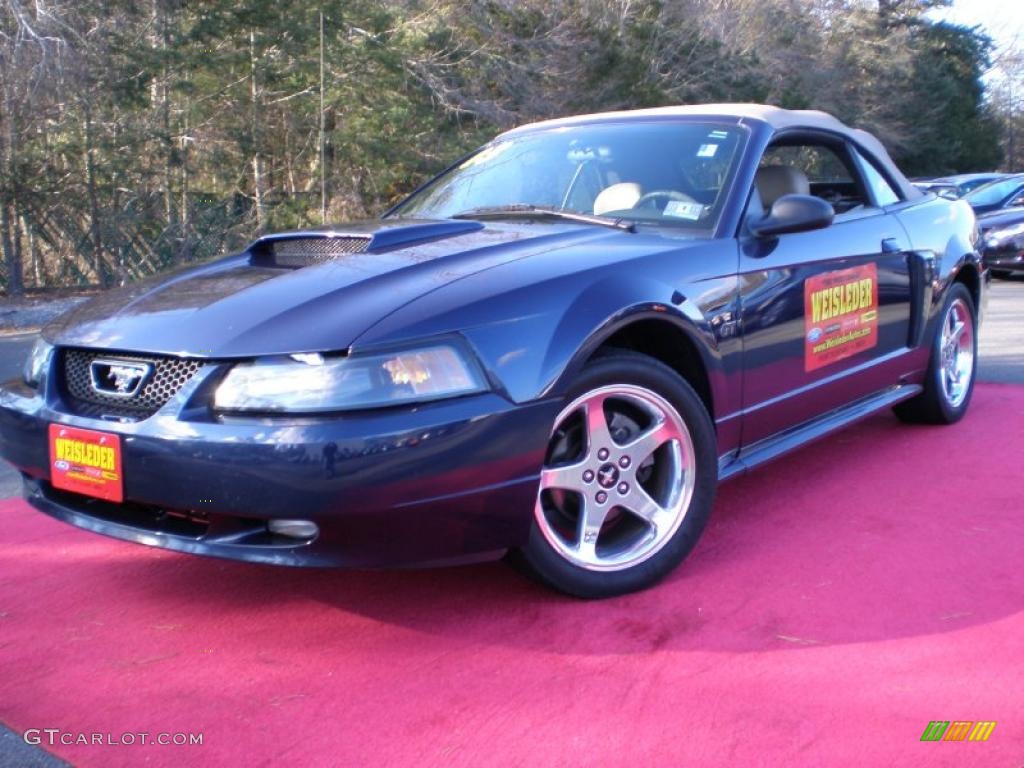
840,600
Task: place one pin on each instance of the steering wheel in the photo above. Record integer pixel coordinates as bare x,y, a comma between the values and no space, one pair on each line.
662,194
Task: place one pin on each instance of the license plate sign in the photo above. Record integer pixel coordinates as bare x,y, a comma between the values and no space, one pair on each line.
85,461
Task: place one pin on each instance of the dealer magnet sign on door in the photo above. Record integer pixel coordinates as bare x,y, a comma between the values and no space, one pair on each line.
840,315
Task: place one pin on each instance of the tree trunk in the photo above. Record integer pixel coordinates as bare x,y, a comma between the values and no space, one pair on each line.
95,232
160,94
8,201
13,268
38,278
257,158
322,136
19,253
185,214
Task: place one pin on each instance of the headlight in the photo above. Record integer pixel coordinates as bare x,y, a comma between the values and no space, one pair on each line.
996,237
37,362
310,383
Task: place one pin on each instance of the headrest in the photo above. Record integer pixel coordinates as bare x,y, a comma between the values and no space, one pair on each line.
775,181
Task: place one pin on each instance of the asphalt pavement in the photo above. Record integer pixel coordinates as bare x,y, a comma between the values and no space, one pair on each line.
1001,342
13,351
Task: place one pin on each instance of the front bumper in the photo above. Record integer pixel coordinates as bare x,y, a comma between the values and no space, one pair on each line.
448,481
1009,258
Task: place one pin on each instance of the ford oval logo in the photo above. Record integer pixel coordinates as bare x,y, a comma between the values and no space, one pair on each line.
814,334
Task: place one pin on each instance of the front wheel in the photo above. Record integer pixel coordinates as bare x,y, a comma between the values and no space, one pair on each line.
628,480
949,382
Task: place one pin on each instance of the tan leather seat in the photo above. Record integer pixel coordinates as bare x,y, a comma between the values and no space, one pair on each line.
775,181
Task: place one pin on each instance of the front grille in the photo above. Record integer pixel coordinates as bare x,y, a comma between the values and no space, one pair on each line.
304,251
169,375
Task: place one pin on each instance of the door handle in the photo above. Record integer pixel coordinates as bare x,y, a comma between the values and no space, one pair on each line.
891,245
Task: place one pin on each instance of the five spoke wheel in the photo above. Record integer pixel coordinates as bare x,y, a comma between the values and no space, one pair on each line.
957,352
949,381
618,478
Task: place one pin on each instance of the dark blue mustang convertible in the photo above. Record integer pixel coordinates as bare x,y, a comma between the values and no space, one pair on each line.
555,349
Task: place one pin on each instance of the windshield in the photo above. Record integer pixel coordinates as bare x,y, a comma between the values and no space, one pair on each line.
993,193
967,186
674,173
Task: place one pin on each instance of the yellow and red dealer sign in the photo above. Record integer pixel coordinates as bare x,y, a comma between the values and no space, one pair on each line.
86,461
840,315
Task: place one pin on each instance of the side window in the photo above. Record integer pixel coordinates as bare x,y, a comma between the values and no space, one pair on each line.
819,164
831,175
881,190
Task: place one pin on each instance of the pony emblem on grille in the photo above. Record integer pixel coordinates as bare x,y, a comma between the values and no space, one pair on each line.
118,378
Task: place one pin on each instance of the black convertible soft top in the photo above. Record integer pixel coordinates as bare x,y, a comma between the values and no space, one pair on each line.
775,117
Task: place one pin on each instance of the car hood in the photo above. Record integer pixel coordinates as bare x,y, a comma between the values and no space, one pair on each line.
1002,218
242,306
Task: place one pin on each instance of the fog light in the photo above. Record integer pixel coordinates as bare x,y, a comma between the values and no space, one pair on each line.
293,529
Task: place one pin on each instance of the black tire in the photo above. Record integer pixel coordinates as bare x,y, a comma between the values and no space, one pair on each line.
632,375
1001,274
934,405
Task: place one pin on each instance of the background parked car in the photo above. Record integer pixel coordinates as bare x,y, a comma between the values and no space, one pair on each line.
1003,236
966,182
997,195
948,191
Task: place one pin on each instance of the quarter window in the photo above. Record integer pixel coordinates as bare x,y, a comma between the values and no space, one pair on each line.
881,190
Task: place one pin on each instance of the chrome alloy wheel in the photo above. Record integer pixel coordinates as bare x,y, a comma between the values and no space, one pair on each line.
957,352
617,480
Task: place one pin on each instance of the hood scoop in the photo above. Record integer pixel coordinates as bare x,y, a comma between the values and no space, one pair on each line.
295,252
292,250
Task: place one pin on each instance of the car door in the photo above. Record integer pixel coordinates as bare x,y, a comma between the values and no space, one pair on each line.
823,313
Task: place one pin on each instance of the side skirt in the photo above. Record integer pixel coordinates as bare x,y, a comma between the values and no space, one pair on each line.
778,445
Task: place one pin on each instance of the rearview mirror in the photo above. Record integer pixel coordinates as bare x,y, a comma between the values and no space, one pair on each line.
794,213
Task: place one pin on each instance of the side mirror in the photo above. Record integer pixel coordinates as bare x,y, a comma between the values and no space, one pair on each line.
794,213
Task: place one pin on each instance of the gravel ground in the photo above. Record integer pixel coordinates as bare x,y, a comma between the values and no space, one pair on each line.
26,313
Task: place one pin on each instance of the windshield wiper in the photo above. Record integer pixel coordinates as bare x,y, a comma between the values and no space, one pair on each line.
541,212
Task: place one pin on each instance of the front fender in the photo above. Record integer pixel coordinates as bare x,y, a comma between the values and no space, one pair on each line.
611,305
535,323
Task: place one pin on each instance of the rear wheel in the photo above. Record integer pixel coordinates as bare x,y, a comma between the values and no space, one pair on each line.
949,382
628,480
